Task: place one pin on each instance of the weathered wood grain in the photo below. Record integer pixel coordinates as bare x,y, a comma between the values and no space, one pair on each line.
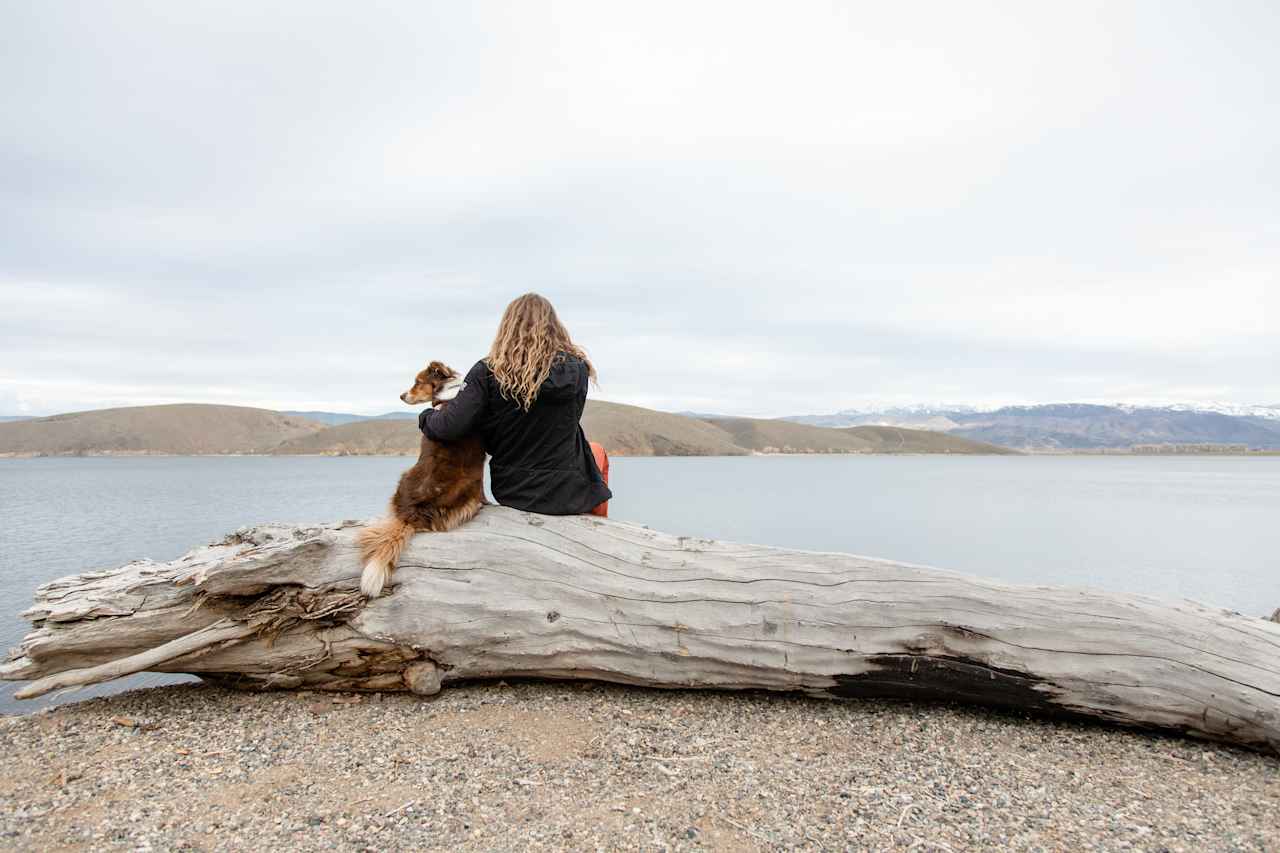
513,594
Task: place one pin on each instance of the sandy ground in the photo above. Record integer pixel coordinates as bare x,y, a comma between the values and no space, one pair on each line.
584,767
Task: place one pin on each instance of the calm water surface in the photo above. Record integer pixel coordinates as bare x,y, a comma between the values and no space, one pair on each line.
1197,527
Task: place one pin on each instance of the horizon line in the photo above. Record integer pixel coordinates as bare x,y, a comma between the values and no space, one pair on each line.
1199,405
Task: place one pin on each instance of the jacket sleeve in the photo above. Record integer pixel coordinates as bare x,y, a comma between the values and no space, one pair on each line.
580,391
457,418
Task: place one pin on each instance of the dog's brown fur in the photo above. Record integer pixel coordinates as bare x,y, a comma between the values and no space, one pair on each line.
442,491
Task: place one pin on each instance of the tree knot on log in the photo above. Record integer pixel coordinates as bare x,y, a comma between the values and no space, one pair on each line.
267,534
963,632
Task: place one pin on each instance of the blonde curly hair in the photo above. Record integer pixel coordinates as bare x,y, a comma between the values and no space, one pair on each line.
530,339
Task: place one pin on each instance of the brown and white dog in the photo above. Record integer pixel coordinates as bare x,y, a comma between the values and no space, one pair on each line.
442,491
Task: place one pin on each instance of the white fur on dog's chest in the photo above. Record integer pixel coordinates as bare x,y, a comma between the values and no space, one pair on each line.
450,390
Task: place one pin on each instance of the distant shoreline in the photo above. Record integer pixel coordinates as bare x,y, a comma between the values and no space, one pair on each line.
213,430
136,454
612,454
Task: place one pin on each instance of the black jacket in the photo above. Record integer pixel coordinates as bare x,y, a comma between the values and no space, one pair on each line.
541,460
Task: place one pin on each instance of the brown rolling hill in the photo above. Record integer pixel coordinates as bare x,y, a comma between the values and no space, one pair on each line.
769,436
194,429
882,439
634,431
362,438
183,429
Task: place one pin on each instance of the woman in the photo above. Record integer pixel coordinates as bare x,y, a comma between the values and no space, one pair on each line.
525,400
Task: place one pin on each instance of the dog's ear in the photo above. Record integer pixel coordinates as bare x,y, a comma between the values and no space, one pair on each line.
439,371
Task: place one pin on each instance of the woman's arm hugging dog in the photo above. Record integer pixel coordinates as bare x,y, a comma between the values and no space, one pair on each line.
443,490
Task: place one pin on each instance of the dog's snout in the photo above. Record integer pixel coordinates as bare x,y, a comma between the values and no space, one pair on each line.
404,397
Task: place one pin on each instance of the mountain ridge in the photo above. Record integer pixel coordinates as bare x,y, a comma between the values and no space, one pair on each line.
1079,426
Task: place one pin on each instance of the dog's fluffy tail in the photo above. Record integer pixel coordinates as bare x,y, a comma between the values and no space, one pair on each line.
380,547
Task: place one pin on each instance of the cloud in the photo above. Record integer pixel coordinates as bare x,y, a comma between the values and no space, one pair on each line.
735,209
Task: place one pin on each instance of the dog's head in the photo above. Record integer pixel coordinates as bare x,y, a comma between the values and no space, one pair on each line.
433,384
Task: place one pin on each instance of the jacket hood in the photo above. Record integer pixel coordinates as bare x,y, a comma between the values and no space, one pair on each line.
563,380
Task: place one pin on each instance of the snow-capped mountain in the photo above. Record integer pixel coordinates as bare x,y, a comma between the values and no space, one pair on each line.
1062,426
1234,409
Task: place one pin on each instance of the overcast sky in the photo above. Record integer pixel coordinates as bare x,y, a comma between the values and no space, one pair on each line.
765,209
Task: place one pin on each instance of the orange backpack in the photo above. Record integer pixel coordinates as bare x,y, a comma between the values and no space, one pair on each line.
602,462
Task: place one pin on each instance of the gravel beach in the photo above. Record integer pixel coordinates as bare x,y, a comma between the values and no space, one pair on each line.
588,766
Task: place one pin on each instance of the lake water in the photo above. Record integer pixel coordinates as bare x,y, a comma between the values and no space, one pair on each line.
1196,527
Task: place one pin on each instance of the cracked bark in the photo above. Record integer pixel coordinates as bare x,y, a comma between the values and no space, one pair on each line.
516,595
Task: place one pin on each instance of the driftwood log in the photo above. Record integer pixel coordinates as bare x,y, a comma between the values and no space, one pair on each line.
519,595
